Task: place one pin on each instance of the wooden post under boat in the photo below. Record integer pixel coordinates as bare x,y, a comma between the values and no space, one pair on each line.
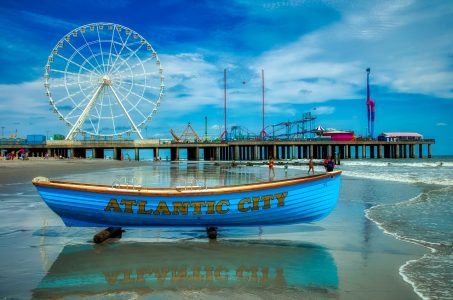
212,232
111,232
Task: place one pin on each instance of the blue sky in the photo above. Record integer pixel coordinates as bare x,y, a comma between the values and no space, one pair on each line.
314,54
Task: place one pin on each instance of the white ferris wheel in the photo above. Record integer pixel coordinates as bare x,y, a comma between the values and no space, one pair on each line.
104,80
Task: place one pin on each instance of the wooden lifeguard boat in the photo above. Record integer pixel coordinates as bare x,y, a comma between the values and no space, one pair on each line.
294,200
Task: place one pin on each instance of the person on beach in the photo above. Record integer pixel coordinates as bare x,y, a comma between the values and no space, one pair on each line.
311,166
271,167
330,165
326,160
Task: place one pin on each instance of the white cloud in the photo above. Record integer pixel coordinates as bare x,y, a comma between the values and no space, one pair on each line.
407,46
324,110
25,107
216,127
190,82
23,97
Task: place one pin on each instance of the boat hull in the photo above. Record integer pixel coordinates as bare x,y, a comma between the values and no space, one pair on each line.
280,202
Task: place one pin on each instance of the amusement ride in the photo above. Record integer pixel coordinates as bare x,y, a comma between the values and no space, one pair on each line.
104,81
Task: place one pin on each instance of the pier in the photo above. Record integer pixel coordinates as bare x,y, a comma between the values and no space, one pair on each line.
244,150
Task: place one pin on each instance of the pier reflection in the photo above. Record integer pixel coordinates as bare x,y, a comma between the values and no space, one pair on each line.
150,268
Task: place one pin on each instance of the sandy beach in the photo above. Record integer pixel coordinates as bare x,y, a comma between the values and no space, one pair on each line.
25,170
351,258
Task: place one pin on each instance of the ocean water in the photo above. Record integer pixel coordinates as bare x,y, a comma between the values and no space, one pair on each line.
425,219
346,255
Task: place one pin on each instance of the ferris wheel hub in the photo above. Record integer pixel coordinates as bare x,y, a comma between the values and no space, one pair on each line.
106,80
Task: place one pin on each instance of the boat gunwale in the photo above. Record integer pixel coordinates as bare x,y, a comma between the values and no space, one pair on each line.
181,191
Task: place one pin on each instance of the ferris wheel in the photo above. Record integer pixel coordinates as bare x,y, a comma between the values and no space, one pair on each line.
104,80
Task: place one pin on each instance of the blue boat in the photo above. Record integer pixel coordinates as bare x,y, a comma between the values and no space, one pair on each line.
293,200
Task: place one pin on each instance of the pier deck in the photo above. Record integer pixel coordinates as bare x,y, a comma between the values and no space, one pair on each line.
237,150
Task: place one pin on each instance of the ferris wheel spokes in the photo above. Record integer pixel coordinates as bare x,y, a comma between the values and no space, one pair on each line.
70,84
91,50
122,62
100,48
69,72
85,59
80,66
70,96
76,106
84,114
99,112
134,107
121,50
141,63
110,51
126,113
125,98
111,111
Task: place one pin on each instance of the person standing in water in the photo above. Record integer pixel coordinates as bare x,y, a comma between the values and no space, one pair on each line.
271,167
326,160
311,166
330,165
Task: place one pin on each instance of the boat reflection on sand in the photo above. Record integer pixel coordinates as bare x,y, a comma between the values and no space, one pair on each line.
151,268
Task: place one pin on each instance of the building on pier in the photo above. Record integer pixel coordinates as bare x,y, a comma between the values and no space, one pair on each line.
399,136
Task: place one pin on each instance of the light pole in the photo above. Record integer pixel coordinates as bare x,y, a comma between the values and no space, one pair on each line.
47,135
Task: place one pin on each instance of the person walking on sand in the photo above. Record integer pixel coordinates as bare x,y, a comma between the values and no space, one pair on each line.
311,166
271,167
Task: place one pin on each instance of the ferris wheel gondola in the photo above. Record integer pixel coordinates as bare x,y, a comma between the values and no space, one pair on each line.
104,80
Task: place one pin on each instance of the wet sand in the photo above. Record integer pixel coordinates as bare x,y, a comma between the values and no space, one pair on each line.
345,256
25,170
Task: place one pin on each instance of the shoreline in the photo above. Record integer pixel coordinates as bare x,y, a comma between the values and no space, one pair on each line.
403,239
50,168
433,247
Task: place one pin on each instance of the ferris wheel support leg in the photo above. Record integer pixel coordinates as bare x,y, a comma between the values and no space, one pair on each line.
84,114
126,113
